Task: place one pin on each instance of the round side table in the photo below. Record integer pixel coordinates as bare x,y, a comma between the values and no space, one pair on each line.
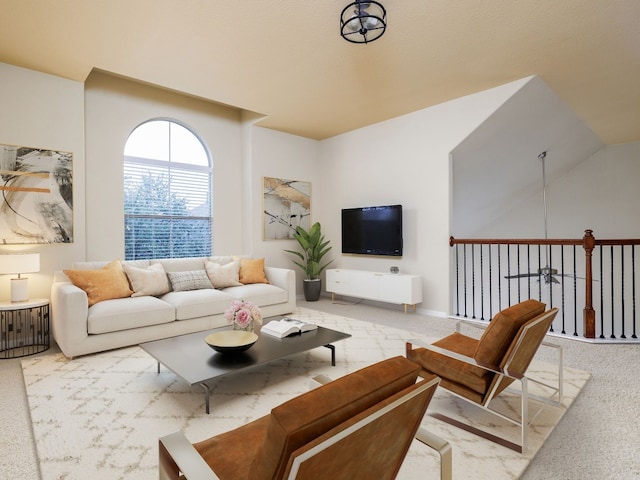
24,328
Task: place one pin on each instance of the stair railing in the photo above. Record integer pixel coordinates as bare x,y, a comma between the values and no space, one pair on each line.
491,274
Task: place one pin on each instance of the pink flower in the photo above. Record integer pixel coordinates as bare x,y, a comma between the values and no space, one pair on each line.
243,313
256,314
243,317
230,314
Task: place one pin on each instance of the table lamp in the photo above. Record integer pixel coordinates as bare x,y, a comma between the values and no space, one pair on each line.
18,264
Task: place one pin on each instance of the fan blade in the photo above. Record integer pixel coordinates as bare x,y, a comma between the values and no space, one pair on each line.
522,275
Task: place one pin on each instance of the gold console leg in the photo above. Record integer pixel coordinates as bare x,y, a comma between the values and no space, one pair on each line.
406,305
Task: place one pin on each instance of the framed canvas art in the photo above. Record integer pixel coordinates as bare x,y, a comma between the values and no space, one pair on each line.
286,205
37,195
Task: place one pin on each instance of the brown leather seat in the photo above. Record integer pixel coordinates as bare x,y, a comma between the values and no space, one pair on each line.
360,424
480,369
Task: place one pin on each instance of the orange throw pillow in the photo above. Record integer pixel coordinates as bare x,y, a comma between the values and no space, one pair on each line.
104,284
252,271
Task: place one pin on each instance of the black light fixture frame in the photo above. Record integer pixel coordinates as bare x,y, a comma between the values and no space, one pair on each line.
360,14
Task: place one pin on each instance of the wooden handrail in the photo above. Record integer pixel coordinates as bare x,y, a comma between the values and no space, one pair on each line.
513,241
618,242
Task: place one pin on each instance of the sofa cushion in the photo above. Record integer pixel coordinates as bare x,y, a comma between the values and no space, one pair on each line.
189,280
223,276
252,271
499,334
106,283
313,413
126,313
198,303
147,281
261,294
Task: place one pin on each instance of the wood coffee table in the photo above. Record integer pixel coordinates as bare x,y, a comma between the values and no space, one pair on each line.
190,358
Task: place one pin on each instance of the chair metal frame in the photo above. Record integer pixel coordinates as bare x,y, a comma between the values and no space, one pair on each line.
525,420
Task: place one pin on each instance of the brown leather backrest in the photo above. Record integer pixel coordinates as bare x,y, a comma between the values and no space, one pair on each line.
524,347
372,444
313,413
502,329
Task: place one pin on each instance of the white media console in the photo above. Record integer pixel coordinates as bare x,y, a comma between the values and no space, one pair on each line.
395,288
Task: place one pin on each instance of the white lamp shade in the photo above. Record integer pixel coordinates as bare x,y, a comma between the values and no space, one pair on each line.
19,263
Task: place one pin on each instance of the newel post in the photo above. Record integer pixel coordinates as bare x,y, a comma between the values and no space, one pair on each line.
589,243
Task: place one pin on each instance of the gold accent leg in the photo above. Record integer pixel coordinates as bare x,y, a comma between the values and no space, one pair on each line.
406,305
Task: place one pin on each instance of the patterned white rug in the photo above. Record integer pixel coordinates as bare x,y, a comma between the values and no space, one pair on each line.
100,416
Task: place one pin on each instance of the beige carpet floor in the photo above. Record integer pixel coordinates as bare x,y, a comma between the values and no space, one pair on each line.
100,416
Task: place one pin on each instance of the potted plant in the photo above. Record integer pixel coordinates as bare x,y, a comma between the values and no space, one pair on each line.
314,247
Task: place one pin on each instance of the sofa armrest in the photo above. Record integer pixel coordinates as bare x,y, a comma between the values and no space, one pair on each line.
69,312
284,278
177,455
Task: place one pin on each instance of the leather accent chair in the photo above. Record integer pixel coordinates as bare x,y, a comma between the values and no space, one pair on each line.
478,370
358,426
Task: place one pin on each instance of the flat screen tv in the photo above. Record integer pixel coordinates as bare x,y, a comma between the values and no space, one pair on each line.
372,230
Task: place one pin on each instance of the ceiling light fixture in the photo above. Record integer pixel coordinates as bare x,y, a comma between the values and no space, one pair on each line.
363,22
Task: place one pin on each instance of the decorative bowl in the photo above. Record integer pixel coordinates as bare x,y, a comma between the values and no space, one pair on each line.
228,341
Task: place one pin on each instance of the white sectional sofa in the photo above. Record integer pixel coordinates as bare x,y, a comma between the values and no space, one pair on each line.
80,328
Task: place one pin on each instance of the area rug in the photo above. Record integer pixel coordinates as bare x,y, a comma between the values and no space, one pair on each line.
100,416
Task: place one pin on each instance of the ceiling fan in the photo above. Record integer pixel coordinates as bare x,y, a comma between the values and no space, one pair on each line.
547,274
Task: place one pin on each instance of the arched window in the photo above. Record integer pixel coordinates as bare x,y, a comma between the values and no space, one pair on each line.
167,193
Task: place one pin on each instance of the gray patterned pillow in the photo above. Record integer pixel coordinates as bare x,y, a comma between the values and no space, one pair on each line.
190,280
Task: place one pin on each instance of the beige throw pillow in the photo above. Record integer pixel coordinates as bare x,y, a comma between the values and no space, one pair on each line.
223,276
106,283
148,281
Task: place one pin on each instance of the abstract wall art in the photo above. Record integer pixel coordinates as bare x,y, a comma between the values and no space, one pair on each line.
37,195
286,205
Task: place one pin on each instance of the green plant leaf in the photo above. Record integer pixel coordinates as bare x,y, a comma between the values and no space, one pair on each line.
314,247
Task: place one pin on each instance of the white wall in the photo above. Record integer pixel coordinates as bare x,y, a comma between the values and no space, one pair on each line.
280,155
404,160
114,107
496,168
43,111
600,193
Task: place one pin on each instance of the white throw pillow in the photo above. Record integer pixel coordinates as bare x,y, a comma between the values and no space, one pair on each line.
148,281
223,276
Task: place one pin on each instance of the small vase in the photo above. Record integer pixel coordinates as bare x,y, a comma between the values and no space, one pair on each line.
248,328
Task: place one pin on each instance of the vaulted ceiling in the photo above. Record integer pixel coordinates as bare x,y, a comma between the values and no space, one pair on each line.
285,59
